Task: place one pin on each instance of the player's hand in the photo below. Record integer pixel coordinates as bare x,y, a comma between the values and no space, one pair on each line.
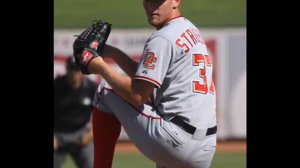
87,138
90,44
55,144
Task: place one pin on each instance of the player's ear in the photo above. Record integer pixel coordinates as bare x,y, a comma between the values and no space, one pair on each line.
176,3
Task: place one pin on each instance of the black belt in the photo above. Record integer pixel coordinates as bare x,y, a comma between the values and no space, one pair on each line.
189,128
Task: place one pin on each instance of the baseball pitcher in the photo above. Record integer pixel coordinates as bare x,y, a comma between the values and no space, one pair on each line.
167,102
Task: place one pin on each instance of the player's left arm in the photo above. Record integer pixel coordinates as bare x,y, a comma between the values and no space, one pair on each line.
136,92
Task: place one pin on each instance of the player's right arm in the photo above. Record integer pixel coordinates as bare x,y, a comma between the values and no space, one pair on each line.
123,60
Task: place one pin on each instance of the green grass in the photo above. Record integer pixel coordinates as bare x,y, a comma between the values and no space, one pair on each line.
229,160
132,160
130,13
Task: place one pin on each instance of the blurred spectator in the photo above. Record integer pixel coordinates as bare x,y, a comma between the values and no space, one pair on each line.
73,96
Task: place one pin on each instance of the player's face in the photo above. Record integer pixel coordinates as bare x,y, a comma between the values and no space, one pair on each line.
160,12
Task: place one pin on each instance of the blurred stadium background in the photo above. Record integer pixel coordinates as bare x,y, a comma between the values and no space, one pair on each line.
223,25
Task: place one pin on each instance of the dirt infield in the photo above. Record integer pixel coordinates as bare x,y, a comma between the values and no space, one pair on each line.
223,146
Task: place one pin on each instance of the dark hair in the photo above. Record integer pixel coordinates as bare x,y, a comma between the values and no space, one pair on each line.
71,65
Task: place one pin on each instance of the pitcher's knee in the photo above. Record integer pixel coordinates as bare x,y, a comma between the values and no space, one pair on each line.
105,94
102,85
103,88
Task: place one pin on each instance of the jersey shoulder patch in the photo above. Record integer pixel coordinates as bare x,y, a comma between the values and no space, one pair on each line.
150,60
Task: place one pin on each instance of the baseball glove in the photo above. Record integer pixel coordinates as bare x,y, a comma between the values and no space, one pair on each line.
90,44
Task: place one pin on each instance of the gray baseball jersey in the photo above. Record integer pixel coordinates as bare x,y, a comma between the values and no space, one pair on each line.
177,62
175,59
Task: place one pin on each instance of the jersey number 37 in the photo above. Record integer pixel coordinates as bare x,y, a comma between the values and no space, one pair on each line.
202,62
